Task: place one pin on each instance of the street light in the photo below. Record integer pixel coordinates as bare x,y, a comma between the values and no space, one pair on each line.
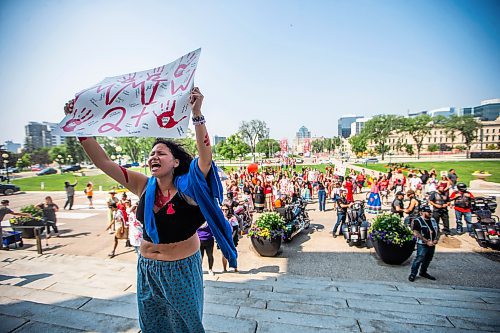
118,152
5,157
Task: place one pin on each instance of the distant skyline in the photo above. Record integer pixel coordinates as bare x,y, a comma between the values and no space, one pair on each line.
288,63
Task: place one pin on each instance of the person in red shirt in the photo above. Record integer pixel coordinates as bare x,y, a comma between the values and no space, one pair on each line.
348,185
463,204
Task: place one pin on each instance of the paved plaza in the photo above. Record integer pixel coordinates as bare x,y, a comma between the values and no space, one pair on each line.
316,284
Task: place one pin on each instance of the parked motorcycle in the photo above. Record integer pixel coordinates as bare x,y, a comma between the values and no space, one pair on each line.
487,227
355,230
244,216
296,218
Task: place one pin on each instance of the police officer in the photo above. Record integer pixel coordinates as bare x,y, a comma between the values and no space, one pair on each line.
342,205
426,230
397,206
440,200
463,207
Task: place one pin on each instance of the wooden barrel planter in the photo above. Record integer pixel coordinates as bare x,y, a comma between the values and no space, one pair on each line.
266,247
394,254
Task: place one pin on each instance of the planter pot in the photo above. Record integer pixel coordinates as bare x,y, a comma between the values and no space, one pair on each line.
29,233
481,176
392,254
266,247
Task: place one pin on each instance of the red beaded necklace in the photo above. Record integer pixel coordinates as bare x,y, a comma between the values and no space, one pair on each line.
161,199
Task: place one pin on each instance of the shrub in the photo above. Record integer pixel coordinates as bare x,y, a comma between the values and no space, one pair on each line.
388,228
36,214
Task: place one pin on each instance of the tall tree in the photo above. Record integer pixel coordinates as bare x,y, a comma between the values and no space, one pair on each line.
378,130
74,148
252,132
233,147
358,144
268,147
467,126
418,128
317,146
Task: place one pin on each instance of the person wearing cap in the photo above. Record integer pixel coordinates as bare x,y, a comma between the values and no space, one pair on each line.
111,200
426,230
4,210
342,205
440,200
463,205
413,208
397,206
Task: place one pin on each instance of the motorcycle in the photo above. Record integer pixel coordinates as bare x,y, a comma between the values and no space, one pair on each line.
244,216
487,227
355,230
296,218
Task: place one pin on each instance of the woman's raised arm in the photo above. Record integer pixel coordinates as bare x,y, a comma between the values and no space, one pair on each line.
202,138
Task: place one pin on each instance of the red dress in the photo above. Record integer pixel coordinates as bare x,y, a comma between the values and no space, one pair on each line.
348,186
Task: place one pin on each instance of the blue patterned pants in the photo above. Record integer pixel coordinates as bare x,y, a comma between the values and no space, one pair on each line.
170,295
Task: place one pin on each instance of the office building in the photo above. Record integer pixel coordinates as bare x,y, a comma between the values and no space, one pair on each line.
303,133
489,110
358,125
218,139
37,136
12,146
344,125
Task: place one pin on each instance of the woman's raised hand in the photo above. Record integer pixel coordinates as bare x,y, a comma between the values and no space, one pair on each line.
195,100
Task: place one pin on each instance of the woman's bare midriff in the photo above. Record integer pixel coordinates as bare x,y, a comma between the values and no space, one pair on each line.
171,252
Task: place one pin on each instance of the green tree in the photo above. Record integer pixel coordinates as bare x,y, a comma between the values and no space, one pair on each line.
233,147
268,147
358,143
418,128
74,148
252,132
40,156
317,146
56,151
24,160
433,148
467,126
409,149
378,130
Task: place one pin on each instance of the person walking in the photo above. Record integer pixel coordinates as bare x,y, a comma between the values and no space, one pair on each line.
374,205
181,194
49,209
112,199
426,231
4,210
121,231
89,192
70,194
440,200
397,206
463,207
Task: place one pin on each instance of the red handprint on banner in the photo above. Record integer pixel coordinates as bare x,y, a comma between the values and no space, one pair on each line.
78,118
166,118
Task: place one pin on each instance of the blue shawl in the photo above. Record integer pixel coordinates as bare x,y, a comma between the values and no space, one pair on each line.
207,193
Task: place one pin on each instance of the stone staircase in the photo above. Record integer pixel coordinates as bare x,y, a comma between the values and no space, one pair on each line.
65,293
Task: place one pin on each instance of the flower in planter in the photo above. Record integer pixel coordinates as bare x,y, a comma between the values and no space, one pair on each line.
388,228
268,225
36,214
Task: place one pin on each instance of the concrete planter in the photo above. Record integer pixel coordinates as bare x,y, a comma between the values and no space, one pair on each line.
266,247
393,254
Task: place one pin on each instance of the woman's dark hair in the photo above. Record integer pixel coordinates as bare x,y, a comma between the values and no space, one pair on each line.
179,153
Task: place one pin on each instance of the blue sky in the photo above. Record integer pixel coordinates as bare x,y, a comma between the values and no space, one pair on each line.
289,63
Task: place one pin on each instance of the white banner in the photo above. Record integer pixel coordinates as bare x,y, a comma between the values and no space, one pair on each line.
152,103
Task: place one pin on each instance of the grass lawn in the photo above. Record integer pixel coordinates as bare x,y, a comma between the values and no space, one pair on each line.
464,168
56,182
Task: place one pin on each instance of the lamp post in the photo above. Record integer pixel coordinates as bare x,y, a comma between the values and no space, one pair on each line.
59,161
118,153
5,157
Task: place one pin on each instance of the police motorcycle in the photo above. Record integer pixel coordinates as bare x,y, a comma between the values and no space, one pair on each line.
487,227
296,218
355,230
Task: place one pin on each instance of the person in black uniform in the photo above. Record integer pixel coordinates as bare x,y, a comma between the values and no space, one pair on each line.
426,230
397,206
440,200
342,205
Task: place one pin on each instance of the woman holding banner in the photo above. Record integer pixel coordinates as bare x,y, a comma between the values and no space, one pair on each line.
174,202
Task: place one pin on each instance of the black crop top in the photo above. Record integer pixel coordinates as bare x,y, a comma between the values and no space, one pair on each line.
175,222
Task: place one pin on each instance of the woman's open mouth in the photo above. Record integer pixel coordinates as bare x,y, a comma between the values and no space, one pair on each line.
155,166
